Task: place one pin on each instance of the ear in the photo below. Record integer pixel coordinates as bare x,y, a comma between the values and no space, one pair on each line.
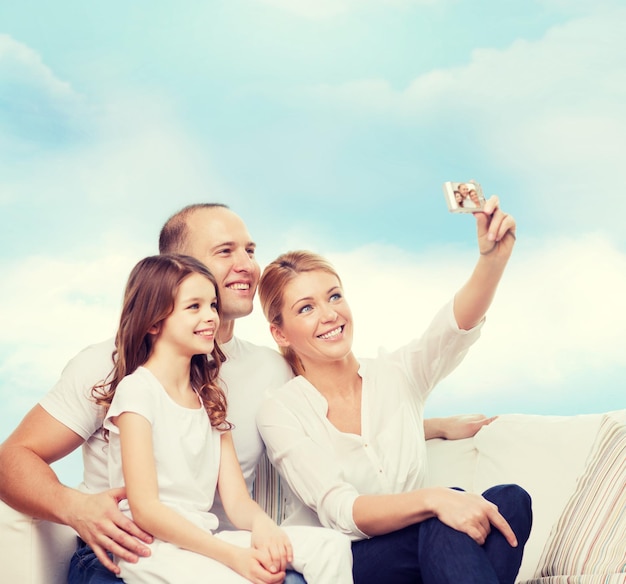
279,337
155,329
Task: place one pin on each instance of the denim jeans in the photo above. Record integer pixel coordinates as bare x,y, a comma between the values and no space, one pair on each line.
430,552
86,568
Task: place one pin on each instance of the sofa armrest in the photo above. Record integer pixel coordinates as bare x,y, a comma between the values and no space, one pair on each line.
33,551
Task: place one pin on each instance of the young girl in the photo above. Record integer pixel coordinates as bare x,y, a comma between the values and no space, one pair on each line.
347,435
171,446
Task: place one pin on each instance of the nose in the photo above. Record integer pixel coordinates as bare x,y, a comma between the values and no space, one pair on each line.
243,261
211,315
329,314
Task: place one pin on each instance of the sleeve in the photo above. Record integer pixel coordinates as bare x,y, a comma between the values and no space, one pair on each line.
70,400
309,467
442,347
133,394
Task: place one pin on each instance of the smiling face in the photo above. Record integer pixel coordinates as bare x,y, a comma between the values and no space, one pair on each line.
219,238
190,329
316,318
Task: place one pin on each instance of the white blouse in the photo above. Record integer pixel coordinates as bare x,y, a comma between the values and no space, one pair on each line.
327,469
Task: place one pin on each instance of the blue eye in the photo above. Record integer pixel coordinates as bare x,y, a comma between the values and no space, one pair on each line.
214,306
193,306
335,296
306,308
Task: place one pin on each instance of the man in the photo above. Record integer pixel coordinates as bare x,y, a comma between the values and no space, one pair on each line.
66,418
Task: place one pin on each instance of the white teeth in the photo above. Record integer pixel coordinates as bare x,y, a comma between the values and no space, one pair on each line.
239,286
205,333
331,334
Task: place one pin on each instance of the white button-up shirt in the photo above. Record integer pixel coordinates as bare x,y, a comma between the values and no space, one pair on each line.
327,469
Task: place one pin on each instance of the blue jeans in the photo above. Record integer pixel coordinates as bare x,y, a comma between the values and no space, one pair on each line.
430,552
86,568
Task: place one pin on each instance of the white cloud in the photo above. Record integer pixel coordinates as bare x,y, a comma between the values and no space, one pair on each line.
558,314
137,153
572,64
124,148
50,308
37,106
550,111
20,63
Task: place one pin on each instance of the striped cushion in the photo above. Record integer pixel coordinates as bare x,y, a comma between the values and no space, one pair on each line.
268,490
588,544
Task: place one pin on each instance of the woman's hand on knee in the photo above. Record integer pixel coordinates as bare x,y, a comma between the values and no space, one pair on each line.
471,514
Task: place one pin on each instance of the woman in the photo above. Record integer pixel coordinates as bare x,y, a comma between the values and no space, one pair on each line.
347,434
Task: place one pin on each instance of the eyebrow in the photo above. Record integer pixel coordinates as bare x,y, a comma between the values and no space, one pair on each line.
194,299
233,244
308,298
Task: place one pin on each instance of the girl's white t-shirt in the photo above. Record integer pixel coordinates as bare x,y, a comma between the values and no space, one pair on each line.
186,448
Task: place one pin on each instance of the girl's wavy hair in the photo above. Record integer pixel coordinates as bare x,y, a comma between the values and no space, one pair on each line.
148,300
272,285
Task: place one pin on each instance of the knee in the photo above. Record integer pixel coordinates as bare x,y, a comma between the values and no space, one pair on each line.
515,504
509,494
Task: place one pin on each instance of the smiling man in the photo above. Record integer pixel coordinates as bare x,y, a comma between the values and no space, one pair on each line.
67,418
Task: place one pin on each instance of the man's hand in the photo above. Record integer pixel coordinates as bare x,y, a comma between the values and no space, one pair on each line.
99,522
455,427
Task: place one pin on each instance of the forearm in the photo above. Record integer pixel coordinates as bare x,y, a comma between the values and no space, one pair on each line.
167,525
245,513
434,428
380,514
474,299
29,485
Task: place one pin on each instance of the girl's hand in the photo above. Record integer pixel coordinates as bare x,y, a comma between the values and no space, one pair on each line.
273,545
496,230
249,563
471,514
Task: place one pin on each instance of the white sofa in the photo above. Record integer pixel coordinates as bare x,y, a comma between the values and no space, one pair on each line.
574,467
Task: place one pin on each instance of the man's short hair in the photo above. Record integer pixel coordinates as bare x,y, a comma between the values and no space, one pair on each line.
173,236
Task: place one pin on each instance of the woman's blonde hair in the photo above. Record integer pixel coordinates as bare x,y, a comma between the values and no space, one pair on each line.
272,286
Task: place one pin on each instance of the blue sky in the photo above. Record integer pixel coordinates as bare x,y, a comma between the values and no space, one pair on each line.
328,125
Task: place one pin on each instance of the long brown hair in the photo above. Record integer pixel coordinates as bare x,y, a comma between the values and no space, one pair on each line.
272,285
148,301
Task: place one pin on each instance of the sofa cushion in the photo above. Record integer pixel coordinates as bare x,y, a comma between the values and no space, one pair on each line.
451,463
34,551
590,535
543,454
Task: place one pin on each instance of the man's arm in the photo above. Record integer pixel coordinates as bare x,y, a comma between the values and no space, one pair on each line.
28,484
455,427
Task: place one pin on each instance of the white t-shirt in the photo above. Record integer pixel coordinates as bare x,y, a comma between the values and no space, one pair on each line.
327,469
187,463
248,372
